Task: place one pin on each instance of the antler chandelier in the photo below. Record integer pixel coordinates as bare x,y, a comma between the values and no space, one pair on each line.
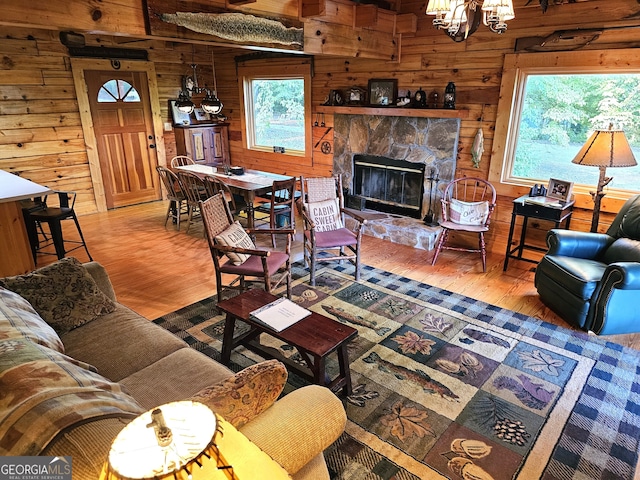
460,18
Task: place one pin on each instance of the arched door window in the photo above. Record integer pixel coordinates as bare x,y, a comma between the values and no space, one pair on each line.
117,90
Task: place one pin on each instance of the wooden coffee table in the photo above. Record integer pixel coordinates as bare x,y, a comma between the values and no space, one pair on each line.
315,337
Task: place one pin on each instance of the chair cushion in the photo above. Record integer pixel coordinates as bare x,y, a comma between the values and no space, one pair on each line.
325,215
623,250
468,213
248,393
64,294
253,265
235,236
579,276
335,238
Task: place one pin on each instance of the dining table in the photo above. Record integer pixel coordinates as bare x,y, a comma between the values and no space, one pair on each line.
250,184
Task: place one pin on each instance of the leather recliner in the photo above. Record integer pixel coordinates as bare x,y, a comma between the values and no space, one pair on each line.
592,280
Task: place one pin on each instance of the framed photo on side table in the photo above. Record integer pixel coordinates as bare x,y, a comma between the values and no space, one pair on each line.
559,189
383,92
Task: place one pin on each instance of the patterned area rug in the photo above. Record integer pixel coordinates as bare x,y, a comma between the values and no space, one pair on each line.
450,387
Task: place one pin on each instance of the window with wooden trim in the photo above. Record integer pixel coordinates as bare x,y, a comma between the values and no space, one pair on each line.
553,111
276,106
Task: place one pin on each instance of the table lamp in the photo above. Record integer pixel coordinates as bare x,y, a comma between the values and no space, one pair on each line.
173,441
604,148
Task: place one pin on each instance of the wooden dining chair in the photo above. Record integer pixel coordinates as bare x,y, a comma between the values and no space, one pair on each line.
215,185
280,205
181,161
323,213
246,263
194,191
175,195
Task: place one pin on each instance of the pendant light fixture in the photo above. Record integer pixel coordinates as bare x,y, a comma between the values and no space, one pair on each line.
184,103
211,103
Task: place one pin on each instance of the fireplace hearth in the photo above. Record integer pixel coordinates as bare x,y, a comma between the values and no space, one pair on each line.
389,185
422,144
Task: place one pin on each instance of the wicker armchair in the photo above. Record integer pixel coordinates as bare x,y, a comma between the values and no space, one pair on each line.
247,263
323,213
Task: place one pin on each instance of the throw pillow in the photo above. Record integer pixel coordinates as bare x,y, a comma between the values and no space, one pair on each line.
18,319
247,394
64,294
468,213
235,236
325,215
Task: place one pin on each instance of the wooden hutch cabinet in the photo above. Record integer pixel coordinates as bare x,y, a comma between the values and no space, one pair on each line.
204,143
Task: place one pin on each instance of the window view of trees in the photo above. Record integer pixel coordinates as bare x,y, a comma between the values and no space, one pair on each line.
559,113
278,110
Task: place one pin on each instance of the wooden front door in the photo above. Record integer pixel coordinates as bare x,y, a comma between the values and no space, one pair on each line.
123,128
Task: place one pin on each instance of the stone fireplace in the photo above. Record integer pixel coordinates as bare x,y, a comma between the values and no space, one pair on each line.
428,144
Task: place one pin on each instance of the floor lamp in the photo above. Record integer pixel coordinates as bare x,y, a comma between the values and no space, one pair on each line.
604,148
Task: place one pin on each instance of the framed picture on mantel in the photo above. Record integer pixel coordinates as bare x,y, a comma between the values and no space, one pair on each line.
383,92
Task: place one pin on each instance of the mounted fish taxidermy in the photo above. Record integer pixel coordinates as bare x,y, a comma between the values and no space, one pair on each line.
237,27
477,149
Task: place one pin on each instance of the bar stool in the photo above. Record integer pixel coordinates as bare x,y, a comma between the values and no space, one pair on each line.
53,216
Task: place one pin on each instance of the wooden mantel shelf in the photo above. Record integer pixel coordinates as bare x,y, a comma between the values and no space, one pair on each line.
395,112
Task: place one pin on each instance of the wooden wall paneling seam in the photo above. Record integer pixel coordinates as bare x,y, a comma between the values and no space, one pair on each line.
321,38
31,149
312,8
123,17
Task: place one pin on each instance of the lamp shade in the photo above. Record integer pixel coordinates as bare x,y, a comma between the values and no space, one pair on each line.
606,148
149,448
438,7
494,4
184,103
211,104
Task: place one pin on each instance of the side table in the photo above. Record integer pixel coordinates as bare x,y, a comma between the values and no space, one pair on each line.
529,210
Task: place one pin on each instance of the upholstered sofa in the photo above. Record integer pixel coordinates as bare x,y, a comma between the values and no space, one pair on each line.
592,280
79,377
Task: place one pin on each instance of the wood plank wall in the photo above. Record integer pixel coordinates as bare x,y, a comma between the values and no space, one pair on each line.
41,137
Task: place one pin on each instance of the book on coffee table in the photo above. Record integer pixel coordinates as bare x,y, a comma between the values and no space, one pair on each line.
279,314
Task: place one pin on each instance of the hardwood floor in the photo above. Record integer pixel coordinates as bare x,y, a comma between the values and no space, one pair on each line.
156,270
